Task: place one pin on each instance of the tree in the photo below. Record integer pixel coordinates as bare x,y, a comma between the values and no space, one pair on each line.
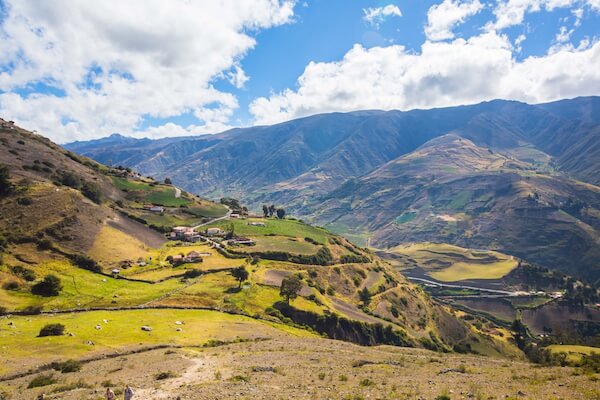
49,286
280,213
290,287
271,210
168,181
240,274
230,232
5,185
265,210
365,296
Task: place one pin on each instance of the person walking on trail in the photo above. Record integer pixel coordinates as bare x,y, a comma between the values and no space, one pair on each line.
128,392
110,395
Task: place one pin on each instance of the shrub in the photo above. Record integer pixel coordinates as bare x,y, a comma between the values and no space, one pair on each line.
367,382
66,366
3,310
85,262
24,273
24,201
32,310
50,286
20,142
164,375
192,273
52,330
92,192
70,179
311,240
41,380
12,285
45,244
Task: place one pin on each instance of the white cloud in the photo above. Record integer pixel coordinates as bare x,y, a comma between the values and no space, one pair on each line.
442,74
117,62
441,18
376,16
512,12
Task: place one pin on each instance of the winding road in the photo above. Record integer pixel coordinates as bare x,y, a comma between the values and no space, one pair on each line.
502,292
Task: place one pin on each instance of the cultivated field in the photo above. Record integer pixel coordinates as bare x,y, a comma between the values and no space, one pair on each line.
448,263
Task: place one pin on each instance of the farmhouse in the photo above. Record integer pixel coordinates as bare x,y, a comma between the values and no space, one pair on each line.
193,256
235,215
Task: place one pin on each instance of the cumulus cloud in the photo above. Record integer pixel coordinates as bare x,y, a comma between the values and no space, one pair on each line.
105,66
376,16
512,12
442,74
441,18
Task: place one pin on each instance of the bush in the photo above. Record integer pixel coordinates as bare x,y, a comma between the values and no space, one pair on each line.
164,375
45,244
12,285
32,310
52,330
92,192
85,262
24,201
192,273
3,310
70,179
66,366
50,286
41,380
24,273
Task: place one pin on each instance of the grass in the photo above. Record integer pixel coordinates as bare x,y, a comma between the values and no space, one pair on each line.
82,288
122,330
112,245
285,227
462,271
166,197
574,352
219,290
281,243
406,217
448,263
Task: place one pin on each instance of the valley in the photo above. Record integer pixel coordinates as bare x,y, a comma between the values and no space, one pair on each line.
120,266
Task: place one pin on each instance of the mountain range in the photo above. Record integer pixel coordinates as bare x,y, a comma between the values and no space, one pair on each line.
502,175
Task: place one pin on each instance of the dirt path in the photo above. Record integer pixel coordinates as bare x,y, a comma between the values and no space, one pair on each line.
201,369
214,220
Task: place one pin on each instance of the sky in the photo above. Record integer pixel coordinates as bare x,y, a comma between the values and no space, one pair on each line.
79,70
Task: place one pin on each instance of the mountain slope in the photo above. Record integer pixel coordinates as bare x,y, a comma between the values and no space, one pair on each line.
326,168
452,191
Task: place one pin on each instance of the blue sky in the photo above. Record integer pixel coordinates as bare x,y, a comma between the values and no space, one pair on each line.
215,65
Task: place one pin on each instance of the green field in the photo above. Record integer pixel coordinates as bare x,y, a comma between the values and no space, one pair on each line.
573,352
282,227
123,330
280,243
448,263
82,288
166,197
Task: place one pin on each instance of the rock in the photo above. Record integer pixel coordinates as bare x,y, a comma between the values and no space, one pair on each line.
146,328
71,334
178,323
178,329
98,327
104,280
89,343
105,321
